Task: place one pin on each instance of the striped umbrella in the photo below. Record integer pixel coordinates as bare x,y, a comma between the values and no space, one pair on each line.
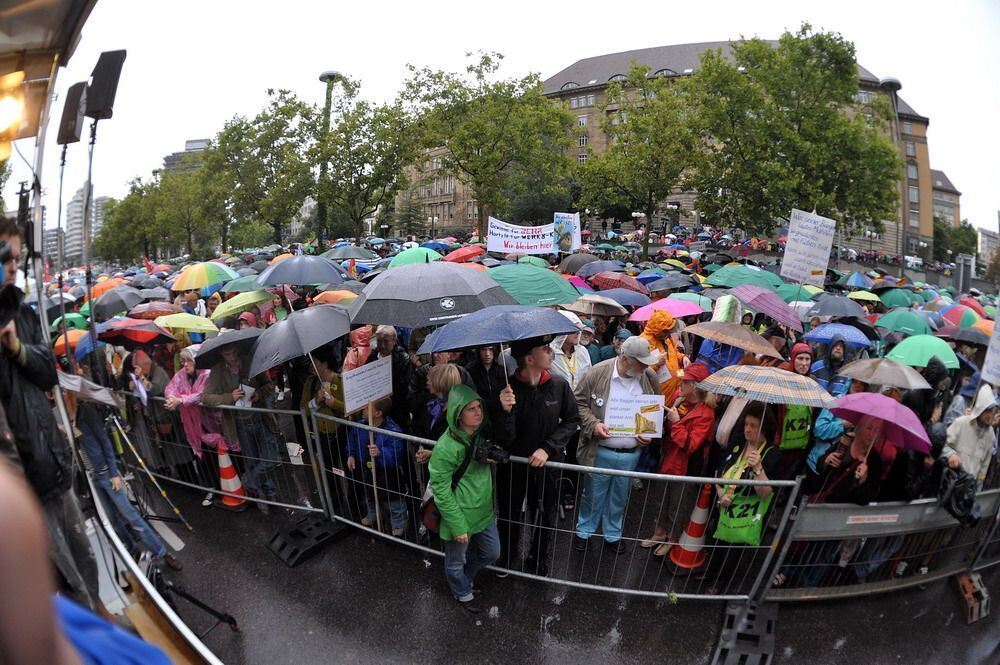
734,334
986,326
962,316
767,302
975,306
617,280
767,384
199,275
154,310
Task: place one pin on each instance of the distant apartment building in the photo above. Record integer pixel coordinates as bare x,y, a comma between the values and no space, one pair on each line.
188,159
447,204
989,243
946,199
73,226
97,221
50,243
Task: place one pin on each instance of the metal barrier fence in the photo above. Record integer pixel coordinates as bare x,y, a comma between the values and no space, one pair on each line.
806,551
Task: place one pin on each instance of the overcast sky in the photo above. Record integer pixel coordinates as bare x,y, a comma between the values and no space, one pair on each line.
193,65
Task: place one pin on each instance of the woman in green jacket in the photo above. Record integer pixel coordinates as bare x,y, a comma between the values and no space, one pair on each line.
468,525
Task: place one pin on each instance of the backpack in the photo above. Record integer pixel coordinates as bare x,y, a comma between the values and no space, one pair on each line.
957,495
430,516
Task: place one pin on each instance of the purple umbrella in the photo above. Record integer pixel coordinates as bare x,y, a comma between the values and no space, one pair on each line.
900,425
769,303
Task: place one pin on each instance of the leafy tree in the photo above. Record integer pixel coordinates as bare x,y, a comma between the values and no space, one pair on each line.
365,151
950,241
264,160
993,271
130,230
409,215
181,213
538,197
493,129
781,129
650,145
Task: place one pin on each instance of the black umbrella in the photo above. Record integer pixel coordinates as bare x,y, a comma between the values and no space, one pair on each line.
972,336
159,293
301,270
713,294
835,306
259,266
592,268
117,300
146,282
370,276
673,280
426,294
572,263
243,272
299,333
497,325
350,252
210,353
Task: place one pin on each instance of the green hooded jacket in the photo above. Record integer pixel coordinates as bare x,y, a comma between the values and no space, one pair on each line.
469,509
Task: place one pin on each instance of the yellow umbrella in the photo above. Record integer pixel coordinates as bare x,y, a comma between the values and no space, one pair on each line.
864,295
675,262
281,257
186,322
241,302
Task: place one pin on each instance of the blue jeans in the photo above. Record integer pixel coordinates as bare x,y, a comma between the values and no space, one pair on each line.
262,450
397,507
605,497
127,521
463,561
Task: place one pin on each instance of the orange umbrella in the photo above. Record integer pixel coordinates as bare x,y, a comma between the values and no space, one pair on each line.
59,348
463,254
984,325
99,289
281,257
474,266
334,297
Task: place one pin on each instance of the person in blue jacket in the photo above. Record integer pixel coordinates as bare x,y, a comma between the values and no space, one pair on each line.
388,455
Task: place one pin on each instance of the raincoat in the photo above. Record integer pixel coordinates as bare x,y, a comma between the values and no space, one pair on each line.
972,442
360,349
200,425
825,370
667,372
469,509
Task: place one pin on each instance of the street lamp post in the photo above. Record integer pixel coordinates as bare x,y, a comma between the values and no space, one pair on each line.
892,86
330,78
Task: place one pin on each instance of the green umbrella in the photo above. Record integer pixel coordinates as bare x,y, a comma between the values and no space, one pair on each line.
792,292
186,322
729,276
239,303
702,301
927,295
904,321
74,321
711,268
85,310
898,298
414,255
536,261
990,310
242,285
916,351
605,247
530,285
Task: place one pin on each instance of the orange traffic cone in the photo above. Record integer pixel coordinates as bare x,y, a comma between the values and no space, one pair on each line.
687,554
230,482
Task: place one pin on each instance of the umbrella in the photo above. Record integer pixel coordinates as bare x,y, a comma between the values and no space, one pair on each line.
73,321
159,293
536,261
767,384
790,292
741,274
340,296
209,353
650,275
734,335
436,245
617,280
857,280
146,282
281,257
595,267
591,304
938,304
301,270
529,285
574,262
99,289
243,272
973,336
240,303
678,308
424,294
701,300
626,297
831,306
186,322
499,324
900,425
300,333
347,252
962,316
671,281
985,326
917,350
242,284
885,372
463,254
259,266
866,296
899,298
974,305
116,301
132,333
825,333
72,336
199,275
905,321
767,302
154,310
414,255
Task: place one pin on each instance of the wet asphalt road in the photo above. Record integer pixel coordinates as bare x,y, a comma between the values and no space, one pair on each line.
365,600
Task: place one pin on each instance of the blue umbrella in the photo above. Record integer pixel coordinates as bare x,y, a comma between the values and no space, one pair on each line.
594,267
626,297
436,245
704,235
825,333
497,324
858,281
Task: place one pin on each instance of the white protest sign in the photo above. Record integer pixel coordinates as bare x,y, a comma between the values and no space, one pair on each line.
511,238
807,253
991,366
635,415
367,384
566,231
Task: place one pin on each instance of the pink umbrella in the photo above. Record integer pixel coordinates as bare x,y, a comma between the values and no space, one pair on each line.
901,426
769,303
678,308
579,283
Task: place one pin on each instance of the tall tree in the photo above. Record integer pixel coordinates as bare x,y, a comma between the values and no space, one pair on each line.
265,159
181,213
365,151
130,229
492,129
781,129
650,145
409,215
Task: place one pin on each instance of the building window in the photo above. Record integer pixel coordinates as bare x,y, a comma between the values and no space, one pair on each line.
590,100
911,171
582,157
617,77
914,219
907,127
573,102
581,121
583,140
914,194
863,96
911,149
569,85
665,72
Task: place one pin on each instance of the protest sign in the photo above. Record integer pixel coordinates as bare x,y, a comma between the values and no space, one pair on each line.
513,239
566,231
991,366
367,383
635,415
807,253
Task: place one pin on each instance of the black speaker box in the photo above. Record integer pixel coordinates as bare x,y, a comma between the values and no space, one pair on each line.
71,125
104,85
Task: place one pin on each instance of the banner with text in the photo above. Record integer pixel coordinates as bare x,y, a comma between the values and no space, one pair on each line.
807,253
566,231
991,366
513,239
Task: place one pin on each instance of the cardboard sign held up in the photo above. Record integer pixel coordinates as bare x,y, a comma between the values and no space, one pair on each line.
366,384
635,415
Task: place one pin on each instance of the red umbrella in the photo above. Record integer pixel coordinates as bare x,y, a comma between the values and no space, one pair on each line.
463,254
617,280
974,305
900,425
132,333
152,310
767,302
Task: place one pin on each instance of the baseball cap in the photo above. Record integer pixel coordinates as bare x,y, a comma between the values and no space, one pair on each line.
638,348
588,326
623,333
523,347
695,372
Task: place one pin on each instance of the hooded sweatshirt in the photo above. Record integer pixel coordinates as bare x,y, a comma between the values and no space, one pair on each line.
668,371
469,508
360,349
961,400
971,441
825,370
572,367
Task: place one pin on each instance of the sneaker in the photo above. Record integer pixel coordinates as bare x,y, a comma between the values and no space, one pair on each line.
398,533
471,606
367,521
207,501
580,544
616,546
172,561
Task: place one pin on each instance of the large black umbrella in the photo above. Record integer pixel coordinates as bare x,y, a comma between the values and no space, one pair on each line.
301,270
349,252
835,306
427,294
573,262
117,300
159,293
243,272
592,268
498,325
259,266
299,333
673,280
210,353
146,282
